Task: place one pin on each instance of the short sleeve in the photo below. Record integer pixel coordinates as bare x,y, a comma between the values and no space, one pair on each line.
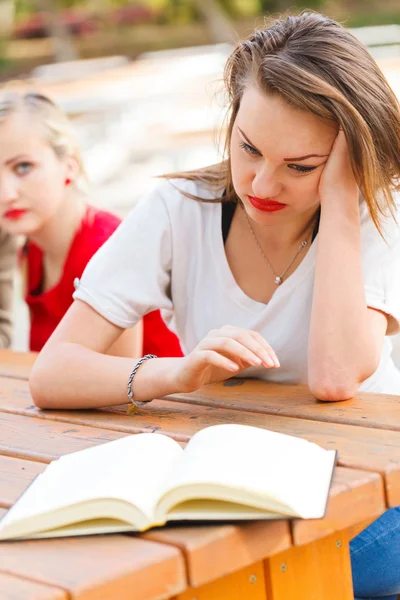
381,265
129,275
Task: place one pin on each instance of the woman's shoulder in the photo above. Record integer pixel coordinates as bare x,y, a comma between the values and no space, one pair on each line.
185,191
96,227
179,200
101,221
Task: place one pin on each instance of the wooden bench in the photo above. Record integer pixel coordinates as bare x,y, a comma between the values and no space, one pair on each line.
261,560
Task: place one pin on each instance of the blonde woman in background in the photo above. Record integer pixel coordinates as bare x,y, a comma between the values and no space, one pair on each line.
281,263
41,197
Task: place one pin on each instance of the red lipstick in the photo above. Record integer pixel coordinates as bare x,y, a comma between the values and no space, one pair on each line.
15,214
266,205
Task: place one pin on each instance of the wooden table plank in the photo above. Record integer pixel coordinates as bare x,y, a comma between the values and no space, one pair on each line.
233,547
248,583
99,567
53,439
15,476
15,588
16,364
355,496
359,448
44,440
366,409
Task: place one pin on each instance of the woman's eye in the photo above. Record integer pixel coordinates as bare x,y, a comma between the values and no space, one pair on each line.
249,149
302,168
23,168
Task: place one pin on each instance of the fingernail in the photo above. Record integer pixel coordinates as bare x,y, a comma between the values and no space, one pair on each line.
269,361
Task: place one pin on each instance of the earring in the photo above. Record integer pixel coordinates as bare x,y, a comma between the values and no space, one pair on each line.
67,181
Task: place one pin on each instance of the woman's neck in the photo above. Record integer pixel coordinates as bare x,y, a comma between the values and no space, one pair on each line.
55,237
278,238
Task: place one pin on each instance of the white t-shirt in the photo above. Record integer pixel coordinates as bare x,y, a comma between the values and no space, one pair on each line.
169,254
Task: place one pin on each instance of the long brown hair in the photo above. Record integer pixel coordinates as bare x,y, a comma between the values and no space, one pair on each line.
315,64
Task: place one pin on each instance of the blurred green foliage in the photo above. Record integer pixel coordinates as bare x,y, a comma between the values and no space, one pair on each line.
181,12
179,9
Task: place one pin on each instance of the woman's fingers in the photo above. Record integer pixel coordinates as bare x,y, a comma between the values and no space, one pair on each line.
255,342
215,359
233,350
268,349
223,353
247,346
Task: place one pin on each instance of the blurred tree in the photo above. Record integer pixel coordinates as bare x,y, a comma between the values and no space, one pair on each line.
7,14
216,19
63,46
284,5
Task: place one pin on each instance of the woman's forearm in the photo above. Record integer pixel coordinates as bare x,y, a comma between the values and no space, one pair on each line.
341,350
89,379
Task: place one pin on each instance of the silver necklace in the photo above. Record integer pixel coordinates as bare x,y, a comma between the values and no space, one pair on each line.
278,278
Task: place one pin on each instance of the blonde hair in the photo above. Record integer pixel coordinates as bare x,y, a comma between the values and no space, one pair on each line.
58,129
315,64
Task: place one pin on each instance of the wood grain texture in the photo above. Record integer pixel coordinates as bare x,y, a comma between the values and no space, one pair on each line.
44,440
355,497
15,476
233,547
248,583
316,571
16,364
218,558
362,448
15,588
366,409
98,567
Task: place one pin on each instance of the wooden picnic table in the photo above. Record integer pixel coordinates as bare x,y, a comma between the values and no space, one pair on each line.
282,560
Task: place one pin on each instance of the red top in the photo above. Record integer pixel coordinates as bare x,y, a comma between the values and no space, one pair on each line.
47,308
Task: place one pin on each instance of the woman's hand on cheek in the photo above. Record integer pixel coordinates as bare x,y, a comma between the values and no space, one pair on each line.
223,353
337,181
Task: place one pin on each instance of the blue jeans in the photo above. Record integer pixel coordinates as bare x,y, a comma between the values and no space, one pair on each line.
375,558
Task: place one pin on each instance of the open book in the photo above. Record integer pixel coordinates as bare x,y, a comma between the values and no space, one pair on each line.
226,472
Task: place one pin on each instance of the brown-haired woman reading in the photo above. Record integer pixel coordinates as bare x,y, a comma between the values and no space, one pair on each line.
282,262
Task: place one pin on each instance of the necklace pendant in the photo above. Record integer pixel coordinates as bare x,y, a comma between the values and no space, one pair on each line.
278,280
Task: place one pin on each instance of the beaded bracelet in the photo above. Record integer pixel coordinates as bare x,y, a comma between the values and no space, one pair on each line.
132,375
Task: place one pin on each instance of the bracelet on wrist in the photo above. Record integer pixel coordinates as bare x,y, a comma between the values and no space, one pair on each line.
137,403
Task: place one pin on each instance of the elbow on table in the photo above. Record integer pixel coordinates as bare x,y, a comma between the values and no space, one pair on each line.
333,391
38,388
334,387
